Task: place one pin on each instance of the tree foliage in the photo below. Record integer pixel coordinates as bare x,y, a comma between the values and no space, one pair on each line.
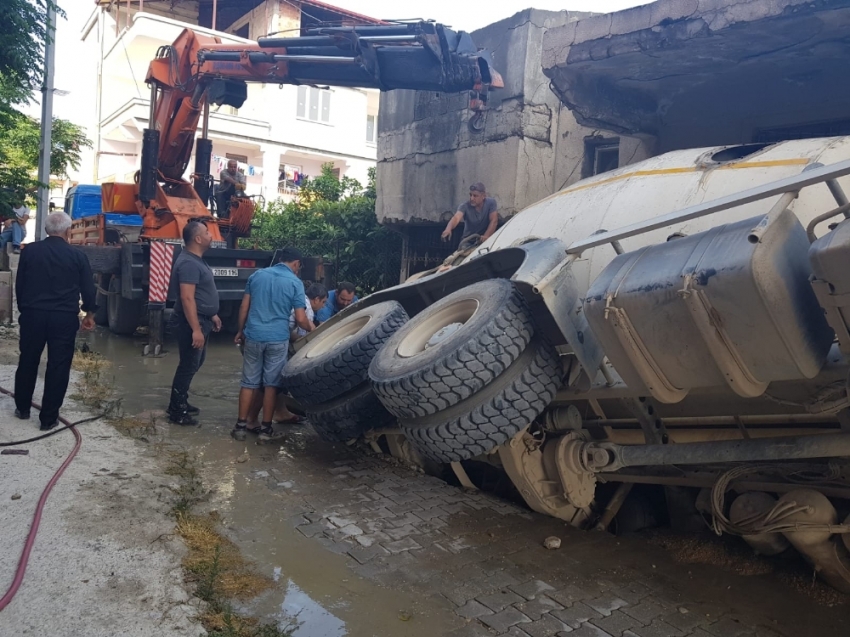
22,40
335,219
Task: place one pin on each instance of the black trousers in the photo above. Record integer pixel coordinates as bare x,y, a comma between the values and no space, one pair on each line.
58,331
191,360
222,202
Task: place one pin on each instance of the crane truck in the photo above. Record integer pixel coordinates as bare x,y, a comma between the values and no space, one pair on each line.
130,259
679,325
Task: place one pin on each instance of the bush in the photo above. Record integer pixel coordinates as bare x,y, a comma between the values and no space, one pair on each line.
334,219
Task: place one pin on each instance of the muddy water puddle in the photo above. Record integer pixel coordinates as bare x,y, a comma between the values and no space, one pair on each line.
256,491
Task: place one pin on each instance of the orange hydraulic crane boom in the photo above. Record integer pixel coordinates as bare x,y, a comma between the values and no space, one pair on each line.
198,70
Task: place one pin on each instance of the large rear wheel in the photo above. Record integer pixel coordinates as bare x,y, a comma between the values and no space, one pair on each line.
124,314
101,315
452,349
494,415
337,360
350,416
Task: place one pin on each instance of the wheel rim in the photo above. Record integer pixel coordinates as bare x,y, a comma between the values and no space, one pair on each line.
334,337
437,327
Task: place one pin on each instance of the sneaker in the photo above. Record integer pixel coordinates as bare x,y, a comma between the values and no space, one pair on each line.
239,432
183,419
49,426
23,415
192,410
16,250
267,434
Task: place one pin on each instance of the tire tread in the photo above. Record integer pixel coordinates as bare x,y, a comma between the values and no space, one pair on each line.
495,421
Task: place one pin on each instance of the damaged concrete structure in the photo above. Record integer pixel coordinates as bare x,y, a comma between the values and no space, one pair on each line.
430,151
587,93
691,73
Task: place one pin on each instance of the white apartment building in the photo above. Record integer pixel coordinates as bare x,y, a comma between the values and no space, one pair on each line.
280,133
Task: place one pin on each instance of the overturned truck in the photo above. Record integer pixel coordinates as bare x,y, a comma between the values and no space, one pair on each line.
680,322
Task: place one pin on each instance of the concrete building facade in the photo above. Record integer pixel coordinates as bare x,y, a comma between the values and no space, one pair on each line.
279,134
586,93
692,73
529,146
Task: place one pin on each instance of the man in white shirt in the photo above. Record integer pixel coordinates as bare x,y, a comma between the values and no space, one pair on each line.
316,297
15,229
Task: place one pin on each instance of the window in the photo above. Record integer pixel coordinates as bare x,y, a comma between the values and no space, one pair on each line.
289,179
239,158
370,129
314,104
600,155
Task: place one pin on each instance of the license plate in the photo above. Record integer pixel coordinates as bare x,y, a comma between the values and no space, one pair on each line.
218,244
225,272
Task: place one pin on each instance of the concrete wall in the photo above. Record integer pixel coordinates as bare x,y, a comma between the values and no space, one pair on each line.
530,146
694,73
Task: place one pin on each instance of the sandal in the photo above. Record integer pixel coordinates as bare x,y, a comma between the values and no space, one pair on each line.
295,420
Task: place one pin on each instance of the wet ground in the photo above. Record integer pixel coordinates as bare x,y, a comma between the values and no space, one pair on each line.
362,546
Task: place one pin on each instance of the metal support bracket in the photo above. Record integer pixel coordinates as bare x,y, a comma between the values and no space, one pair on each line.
644,411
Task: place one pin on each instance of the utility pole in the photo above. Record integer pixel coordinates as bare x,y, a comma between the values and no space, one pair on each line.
46,123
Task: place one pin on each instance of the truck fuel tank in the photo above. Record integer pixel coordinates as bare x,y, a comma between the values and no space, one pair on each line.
729,305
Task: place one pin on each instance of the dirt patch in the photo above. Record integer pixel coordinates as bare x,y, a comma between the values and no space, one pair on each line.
94,385
737,557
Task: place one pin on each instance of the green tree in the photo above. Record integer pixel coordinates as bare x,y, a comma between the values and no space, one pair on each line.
21,50
335,219
22,42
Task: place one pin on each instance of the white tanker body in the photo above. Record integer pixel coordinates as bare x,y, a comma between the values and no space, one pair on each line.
699,344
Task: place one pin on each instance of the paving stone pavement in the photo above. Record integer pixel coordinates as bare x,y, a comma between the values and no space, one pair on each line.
485,555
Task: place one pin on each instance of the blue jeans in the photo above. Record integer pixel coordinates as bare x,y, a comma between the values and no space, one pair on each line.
15,234
263,363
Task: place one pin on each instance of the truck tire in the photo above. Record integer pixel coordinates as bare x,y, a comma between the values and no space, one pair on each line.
123,314
350,415
101,315
494,415
338,360
485,328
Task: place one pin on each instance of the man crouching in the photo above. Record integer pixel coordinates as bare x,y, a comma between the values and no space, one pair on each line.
271,295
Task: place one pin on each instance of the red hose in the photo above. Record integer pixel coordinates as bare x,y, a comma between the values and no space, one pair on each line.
25,554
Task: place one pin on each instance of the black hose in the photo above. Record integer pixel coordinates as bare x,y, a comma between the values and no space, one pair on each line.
52,432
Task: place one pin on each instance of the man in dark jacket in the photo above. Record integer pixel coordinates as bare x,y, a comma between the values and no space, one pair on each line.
52,276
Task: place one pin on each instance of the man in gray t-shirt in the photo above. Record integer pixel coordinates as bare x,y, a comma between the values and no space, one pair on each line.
478,215
231,184
195,316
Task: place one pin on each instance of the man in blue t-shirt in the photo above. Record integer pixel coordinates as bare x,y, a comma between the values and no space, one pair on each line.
271,295
338,300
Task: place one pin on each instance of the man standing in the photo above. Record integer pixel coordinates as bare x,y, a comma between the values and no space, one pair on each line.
195,316
232,182
338,300
16,230
271,295
52,276
478,215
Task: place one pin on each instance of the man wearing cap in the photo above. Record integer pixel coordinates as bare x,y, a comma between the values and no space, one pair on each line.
478,215
271,295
